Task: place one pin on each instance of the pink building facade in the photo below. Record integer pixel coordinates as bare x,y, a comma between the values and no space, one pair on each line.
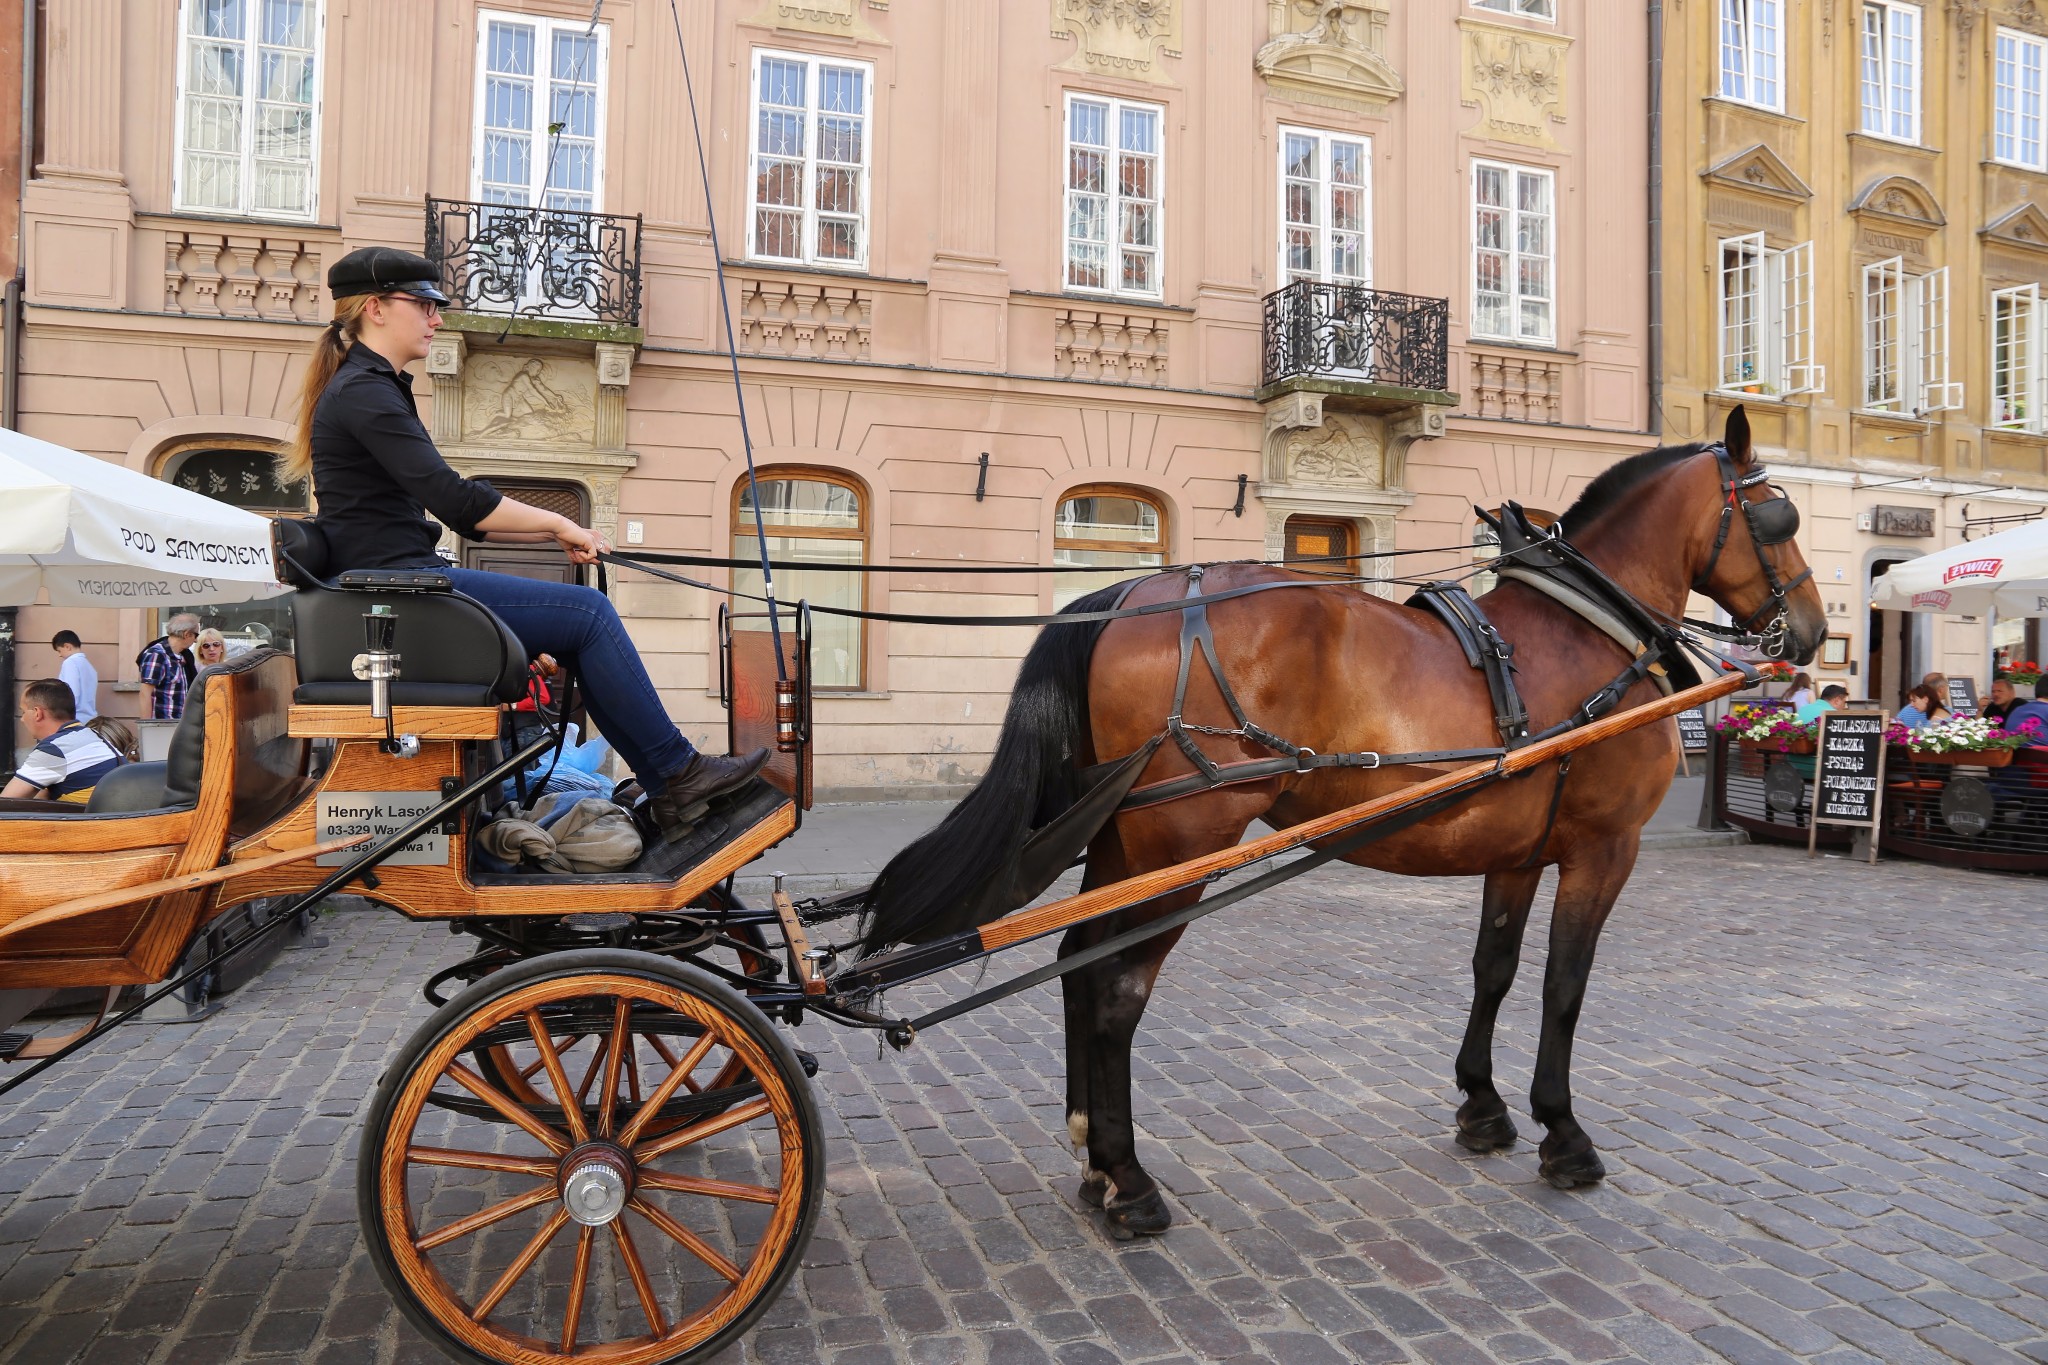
1077,282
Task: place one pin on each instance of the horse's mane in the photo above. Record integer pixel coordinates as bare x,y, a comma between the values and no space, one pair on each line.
1617,481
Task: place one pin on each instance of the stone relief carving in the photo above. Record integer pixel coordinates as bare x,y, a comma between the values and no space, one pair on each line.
2024,14
528,400
1330,52
838,18
1344,450
1119,37
1902,198
1760,170
1518,81
2025,226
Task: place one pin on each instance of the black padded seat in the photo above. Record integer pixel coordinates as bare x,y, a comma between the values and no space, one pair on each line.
453,650
129,788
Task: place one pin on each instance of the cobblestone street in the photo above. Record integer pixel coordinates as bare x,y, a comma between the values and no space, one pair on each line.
1821,1089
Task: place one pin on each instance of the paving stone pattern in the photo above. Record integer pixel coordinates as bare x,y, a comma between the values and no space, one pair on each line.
1820,1087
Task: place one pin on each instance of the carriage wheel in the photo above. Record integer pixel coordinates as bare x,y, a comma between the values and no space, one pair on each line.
644,1222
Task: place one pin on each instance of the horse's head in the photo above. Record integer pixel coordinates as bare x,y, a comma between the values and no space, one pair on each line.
1753,567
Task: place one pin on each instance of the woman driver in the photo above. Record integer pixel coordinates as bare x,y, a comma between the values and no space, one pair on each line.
374,469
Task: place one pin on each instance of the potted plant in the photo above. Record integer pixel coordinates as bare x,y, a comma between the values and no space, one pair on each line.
1775,730
1970,741
2024,677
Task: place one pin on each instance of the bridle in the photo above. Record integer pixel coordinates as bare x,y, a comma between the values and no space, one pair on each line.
1772,521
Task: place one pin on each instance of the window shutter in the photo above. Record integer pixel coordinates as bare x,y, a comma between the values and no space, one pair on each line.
1797,371
1930,306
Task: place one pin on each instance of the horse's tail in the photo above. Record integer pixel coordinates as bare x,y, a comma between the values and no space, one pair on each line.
928,889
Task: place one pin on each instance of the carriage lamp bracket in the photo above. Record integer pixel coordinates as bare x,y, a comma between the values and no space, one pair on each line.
377,665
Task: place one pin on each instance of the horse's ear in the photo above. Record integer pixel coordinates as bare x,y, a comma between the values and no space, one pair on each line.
1736,437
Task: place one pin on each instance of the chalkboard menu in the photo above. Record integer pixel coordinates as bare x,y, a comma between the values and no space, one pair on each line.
1692,731
1962,696
1849,773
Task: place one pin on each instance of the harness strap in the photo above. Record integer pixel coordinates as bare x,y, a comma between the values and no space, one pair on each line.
1564,767
1259,769
1592,613
1486,650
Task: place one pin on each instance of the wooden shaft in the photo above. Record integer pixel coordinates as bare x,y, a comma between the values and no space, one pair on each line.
1025,925
799,943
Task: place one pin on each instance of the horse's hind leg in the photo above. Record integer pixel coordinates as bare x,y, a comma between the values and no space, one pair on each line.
1586,892
1483,1122
1105,865
1118,990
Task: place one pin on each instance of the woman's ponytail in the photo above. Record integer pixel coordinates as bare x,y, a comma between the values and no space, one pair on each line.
296,464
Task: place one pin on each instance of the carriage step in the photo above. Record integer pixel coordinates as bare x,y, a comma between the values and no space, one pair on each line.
11,1045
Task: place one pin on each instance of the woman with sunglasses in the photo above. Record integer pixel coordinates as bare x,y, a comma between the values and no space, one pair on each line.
376,473
210,648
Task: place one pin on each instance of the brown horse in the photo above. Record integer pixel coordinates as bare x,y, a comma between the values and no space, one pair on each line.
1337,670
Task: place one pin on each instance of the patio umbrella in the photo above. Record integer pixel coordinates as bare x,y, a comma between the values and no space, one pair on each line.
91,533
2008,572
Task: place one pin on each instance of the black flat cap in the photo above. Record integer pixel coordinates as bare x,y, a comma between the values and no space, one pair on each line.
384,270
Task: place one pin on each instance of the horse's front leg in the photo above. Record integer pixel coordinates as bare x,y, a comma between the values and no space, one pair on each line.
1483,1122
1586,892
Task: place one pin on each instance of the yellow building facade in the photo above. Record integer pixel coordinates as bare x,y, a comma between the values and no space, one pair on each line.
1854,247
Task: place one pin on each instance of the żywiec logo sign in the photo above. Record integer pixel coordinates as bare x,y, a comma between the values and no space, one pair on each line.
1973,568
1937,600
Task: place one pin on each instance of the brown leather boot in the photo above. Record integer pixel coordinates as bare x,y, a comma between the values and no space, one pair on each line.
679,805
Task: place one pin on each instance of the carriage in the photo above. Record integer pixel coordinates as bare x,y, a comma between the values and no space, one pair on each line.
599,1146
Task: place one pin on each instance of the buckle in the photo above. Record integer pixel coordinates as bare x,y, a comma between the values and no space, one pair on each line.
1301,757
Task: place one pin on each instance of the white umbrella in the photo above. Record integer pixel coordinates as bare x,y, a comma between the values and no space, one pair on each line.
92,533
2008,572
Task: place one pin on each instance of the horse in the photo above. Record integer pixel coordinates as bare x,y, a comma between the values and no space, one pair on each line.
1327,667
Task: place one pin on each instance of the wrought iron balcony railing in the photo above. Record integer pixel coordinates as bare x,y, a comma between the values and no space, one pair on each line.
1370,336
557,264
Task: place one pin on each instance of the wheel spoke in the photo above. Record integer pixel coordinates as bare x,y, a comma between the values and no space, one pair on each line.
715,1189
690,1241
479,1161
679,1075
491,1095
589,1075
622,1038
641,1284
572,1317
731,1118
557,1077
483,1218
520,1265
632,1070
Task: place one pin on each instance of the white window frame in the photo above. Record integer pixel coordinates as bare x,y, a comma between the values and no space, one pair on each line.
812,216
1776,289
1545,10
1751,37
2021,371
544,80
1511,250
1905,341
1116,201
2019,99
1889,68
1320,187
180,178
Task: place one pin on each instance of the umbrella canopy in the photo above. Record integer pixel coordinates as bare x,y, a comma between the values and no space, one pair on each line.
2008,571
91,533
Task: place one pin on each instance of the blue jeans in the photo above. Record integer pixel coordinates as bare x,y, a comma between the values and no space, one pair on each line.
580,627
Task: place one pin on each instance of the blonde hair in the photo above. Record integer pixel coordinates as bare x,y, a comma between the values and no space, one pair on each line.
210,636
296,464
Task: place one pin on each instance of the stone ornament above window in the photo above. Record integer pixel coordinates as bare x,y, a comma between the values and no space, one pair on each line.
1517,78
1901,199
1330,53
1758,170
2025,227
1119,37
835,18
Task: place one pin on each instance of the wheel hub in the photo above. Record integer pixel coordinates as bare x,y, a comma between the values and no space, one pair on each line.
596,1180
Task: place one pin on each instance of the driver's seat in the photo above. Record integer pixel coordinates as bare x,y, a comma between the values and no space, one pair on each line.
454,650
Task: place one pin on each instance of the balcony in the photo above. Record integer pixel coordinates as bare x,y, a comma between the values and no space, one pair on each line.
1369,350
538,271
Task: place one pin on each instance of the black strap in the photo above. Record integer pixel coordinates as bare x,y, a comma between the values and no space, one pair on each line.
1484,650
1564,767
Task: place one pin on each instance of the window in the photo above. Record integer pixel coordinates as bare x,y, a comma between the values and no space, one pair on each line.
1323,545
810,161
1534,9
1102,528
1750,46
1113,196
248,107
817,517
245,477
1325,207
1513,256
539,109
1766,318
2019,360
1891,70
2016,104
1905,341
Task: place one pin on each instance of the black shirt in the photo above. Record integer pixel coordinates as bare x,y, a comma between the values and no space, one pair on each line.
376,472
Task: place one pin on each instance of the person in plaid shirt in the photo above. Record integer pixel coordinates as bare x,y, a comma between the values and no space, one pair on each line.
167,669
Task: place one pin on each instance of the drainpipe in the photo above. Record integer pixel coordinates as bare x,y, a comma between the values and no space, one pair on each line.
1656,180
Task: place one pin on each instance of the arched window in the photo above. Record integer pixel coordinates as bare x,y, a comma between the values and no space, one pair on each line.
243,475
1101,528
1321,544
819,517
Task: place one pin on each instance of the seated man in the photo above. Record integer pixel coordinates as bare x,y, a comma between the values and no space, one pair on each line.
2003,699
69,759
1833,697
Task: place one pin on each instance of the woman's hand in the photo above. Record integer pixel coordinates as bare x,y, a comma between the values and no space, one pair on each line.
581,544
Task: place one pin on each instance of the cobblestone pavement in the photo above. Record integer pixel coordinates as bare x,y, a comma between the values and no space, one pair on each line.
1820,1087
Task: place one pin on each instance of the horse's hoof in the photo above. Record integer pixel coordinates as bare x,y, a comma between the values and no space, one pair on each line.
1142,1215
1493,1133
1573,1169
1094,1190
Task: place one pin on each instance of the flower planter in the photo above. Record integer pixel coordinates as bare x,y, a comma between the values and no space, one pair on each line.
1960,758
1777,746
